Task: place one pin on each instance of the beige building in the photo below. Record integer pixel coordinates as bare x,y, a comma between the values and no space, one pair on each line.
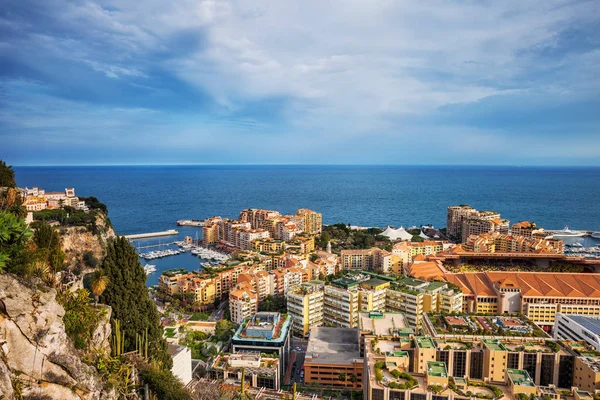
340,305
313,221
243,303
456,216
305,306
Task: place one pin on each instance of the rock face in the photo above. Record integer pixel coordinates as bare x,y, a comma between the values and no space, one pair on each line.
76,241
35,348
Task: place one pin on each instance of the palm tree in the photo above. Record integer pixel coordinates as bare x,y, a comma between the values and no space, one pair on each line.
98,283
353,379
342,377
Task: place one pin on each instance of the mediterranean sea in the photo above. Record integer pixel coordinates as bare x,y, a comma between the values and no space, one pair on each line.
152,198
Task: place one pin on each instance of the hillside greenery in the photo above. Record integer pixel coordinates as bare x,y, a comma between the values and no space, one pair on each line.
343,237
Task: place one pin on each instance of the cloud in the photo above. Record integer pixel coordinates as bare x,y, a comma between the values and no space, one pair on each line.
300,74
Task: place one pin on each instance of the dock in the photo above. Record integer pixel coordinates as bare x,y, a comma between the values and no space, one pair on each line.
152,234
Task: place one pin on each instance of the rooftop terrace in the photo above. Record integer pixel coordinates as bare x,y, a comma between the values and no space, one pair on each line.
494,345
424,342
436,368
520,377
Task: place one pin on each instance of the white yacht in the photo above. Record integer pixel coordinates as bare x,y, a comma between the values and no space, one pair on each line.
596,235
567,233
149,268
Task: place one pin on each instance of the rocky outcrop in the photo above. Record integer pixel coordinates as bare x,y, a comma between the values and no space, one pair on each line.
76,241
36,356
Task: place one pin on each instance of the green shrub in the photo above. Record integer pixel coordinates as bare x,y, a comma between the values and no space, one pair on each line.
162,383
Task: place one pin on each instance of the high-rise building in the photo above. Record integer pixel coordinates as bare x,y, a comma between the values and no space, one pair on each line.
340,304
313,221
455,218
243,303
305,306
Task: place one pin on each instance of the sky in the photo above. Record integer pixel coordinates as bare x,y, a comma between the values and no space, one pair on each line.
300,82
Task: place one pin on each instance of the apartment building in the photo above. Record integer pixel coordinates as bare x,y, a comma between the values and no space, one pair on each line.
243,302
538,296
340,304
455,218
211,230
512,366
426,248
524,228
413,297
313,221
365,260
503,243
245,237
372,295
268,245
256,217
477,226
286,279
305,306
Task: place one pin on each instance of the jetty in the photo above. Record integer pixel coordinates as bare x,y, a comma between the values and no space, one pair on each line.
152,234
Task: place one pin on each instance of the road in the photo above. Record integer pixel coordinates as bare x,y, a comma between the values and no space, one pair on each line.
300,344
218,313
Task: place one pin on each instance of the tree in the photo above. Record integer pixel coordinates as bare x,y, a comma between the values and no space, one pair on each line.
49,249
128,296
98,283
7,175
14,233
342,377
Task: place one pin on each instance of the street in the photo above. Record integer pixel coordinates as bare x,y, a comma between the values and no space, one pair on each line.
218,313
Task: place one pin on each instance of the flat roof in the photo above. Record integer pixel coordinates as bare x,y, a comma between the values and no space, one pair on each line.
591,324
387,323
333,346
494,344
520,377
436,368
374,282
280,339
424,342
345,283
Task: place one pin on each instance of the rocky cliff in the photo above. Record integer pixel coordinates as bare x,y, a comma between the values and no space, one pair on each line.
76,241
37,359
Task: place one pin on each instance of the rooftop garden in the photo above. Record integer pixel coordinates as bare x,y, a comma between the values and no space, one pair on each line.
468,388
482,324
394,378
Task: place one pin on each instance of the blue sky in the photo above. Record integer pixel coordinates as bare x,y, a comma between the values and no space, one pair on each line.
263,81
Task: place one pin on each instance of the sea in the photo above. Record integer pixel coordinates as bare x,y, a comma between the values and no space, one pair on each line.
152,198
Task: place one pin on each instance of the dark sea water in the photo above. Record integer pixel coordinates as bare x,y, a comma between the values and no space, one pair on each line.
153,198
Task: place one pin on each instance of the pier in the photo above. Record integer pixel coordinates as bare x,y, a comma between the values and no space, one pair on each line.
155,245
152,234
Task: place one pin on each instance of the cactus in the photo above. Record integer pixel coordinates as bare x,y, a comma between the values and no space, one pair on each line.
243,382
118,339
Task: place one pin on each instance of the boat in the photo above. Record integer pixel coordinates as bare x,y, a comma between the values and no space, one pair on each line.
567,233
149,268
190,222
596,235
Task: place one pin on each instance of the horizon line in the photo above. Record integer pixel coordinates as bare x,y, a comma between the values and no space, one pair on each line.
302,165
